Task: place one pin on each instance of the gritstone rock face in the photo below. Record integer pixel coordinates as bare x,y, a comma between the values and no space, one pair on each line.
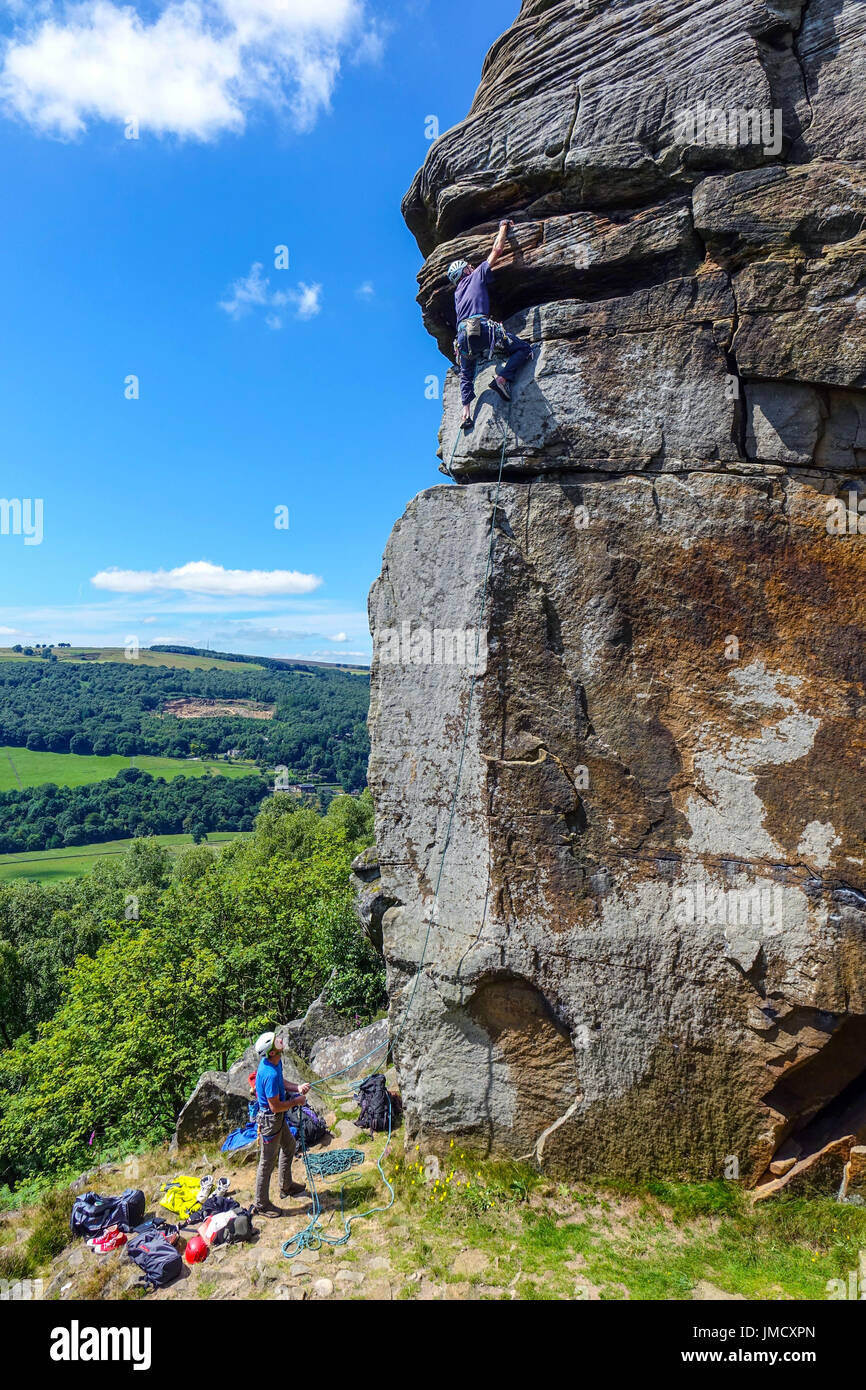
649,948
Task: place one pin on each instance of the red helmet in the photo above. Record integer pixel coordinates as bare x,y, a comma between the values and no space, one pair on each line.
196,1250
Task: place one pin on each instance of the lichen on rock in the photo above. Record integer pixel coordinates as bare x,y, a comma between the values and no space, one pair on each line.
652,917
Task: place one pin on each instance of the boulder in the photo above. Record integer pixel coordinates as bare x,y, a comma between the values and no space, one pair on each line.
219,1104
355,1056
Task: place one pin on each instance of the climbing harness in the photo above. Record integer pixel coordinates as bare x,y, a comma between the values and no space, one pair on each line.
313,1236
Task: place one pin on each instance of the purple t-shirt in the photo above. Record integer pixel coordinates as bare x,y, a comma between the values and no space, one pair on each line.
472,295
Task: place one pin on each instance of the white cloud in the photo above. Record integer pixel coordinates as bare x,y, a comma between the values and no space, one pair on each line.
201,577
194,69
253,291
340,637
7,631
307,300
367,291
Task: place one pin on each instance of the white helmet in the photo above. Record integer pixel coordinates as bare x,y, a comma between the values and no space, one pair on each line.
265,1044
456,271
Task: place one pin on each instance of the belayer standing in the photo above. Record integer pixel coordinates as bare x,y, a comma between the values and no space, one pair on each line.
479,337
275,1099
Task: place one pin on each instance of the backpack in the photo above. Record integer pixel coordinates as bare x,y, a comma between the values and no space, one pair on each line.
92,1214
315,1128
379,1109
214,1205
160,1263
229,1226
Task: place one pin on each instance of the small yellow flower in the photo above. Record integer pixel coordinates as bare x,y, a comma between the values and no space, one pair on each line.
451,1144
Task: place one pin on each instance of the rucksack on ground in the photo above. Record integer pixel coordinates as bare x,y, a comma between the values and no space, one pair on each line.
315,1128
160,1262
379,1108
92,1214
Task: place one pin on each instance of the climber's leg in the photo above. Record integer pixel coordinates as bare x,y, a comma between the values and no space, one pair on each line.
468,367
518,351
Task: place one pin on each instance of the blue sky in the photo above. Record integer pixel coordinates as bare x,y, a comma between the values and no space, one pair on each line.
261,124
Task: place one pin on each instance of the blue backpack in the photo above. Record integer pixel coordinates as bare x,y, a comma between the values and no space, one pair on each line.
92,1214
160,1262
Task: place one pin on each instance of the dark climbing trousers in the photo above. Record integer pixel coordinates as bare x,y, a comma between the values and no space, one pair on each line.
275,1141
515,350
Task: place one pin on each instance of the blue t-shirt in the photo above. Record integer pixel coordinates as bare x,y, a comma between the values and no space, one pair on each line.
269,1083
472,295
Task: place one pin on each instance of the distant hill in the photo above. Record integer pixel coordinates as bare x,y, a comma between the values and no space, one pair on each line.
97,701
176,658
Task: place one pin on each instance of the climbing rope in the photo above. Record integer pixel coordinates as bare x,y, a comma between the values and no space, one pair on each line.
313,1236
334,1162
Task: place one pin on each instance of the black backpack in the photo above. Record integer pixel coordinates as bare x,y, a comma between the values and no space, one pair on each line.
315,1128
160,1263
378,1108
92,1214
240,1228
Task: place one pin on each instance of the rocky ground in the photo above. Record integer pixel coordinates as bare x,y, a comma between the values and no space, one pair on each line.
458,1230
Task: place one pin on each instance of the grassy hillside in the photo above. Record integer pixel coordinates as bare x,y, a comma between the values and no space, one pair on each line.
483,1232
171,705
21,768
96,656
55,865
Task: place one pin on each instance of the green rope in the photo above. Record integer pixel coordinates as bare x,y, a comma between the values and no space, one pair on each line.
328,1165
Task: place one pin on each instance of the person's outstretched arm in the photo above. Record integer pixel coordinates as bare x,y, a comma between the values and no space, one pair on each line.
500,242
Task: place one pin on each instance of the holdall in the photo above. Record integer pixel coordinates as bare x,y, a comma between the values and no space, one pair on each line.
92,1214
160,1262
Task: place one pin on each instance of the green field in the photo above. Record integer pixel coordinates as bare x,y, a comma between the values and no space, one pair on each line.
20,768
95,656
51,865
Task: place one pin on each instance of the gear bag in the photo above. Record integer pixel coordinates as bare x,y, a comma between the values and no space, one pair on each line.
160,1263
92,1214
315,1128
379,1108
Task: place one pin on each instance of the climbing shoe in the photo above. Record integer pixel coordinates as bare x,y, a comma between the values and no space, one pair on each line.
295,1189
206,1188
270,1211
467,424
223,1188
501,387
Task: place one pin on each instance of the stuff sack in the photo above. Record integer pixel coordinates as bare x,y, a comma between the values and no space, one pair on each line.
160,1263
92,1214
315,1128
379,1109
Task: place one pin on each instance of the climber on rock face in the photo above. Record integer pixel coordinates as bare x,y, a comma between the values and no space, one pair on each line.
478,336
